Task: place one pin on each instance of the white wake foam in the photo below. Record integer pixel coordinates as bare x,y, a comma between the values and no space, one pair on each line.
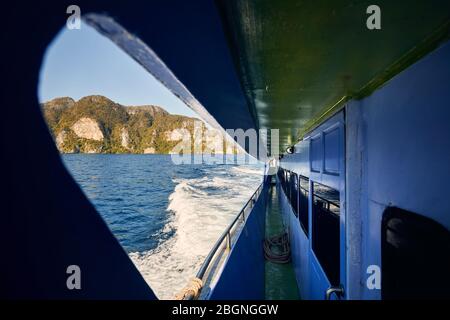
200,209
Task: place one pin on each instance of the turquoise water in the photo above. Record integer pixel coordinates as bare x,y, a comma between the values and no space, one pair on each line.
166,216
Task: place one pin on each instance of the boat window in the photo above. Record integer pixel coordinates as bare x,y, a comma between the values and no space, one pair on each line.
284,182
294,193
325,230
303,205
415,256
288,186
282,178
279,174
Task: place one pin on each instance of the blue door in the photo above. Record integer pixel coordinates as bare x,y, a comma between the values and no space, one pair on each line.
327,210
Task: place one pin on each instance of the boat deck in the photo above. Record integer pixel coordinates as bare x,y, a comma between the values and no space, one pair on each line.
280,282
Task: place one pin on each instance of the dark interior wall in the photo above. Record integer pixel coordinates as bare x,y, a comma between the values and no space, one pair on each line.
46,222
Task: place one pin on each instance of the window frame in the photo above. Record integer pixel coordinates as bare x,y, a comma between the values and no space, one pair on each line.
326,243
303,214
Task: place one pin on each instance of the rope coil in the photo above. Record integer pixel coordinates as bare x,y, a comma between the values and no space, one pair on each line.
191,291
277,249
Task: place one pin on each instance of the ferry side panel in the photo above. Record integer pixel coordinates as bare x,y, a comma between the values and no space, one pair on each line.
398,156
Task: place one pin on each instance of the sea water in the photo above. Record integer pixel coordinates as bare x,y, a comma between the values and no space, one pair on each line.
166,216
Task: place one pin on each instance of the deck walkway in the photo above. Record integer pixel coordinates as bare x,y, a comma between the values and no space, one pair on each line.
280,282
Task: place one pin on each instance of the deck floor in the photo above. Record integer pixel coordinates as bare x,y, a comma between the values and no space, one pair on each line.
280,282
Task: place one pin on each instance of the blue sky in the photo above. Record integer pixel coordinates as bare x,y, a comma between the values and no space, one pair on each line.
82,62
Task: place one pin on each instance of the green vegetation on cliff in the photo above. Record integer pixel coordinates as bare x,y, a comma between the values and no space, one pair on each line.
95,124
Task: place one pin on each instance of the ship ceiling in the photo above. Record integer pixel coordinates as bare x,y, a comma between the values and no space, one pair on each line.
299,61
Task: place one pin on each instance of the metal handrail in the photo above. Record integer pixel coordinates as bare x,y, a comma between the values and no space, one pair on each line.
328,202
226,235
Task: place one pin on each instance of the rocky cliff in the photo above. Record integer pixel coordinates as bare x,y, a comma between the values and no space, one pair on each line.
96,124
